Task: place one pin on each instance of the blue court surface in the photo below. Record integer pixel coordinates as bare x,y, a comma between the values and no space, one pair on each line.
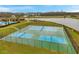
48,37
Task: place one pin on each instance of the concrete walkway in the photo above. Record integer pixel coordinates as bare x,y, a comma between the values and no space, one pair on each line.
72,23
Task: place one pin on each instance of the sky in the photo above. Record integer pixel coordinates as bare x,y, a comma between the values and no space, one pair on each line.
39,8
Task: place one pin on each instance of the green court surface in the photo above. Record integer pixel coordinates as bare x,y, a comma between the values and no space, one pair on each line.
48,37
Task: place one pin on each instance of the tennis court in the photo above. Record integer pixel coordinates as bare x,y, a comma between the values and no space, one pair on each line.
48,37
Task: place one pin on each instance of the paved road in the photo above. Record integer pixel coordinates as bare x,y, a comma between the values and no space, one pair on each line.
73,23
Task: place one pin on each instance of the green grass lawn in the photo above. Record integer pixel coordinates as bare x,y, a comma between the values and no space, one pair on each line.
44,23
14,48
75,38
